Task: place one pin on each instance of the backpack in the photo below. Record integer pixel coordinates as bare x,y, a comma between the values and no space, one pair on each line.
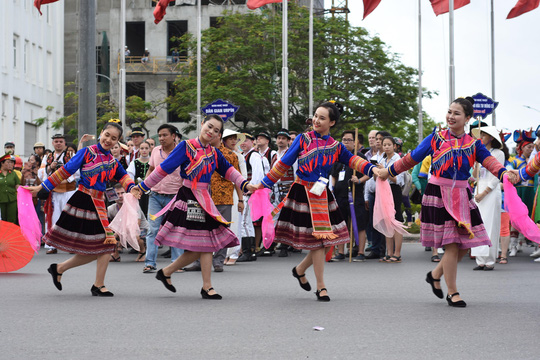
407,177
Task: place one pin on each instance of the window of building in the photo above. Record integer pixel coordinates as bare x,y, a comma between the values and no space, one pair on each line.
176,29
215,21
15,45
25,56
135,38
153,3
172,117
136,88
50,71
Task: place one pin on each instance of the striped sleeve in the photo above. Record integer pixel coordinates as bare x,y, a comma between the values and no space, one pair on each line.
234,176
494,167
405,163
532,168
276,173
65,171
361,165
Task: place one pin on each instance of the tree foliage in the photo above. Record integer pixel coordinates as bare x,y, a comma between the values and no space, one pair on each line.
242,62
138,113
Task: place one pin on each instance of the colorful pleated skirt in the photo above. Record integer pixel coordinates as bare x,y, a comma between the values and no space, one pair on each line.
294,225
442,207
79,229
208,235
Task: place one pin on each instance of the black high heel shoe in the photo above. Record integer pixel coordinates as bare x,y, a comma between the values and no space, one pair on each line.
205,294
96,291
161,277
324,297
305,286
459,303
431,281
53,270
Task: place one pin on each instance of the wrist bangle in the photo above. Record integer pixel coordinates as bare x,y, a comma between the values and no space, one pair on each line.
241,201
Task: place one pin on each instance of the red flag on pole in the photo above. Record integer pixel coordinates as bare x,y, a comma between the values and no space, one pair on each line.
38,3
159,11
522,7
255,4
443,6
369,6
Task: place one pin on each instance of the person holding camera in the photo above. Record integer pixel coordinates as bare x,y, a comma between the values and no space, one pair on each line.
59,197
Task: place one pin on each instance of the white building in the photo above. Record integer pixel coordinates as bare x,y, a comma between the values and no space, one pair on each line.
31,72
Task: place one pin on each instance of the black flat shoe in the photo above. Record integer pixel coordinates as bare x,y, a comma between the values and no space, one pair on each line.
205,295
431,281
305,286
324,297
96,291
459,303
479,267
161,277
53,270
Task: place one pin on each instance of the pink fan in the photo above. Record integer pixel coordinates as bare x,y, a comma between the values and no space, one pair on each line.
126,222
519,214
259,203
28,219
384,220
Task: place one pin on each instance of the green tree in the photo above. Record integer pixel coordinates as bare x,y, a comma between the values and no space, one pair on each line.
241,63
138,113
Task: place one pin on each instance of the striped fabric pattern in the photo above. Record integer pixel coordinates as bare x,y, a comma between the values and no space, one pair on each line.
97,199
359,164
533,167
450,215
277,172
320,220
57,177
406,163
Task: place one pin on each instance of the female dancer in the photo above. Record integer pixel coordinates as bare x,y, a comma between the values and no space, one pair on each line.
450,217
83,227
193,223
310,218
488,195
393,244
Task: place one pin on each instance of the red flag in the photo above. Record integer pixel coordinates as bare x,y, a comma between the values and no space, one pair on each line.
159,11
522,7
369,6
255,4
38,3
443,6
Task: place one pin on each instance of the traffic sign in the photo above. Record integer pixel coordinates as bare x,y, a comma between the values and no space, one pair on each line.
483,105
221,108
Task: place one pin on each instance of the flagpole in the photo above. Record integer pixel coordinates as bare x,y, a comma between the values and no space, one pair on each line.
420,111
199,29
493,61
285,71
122,75
311,59
452,90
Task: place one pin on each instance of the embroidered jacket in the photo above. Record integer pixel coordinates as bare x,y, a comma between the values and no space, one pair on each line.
519,163
450,156
316,154
96,166
196,163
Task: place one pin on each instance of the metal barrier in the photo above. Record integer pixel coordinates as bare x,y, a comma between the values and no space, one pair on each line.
154,64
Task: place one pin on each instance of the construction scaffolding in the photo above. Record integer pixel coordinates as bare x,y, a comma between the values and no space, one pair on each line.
340,8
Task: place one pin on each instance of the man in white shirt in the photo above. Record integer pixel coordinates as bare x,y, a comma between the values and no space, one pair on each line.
137,137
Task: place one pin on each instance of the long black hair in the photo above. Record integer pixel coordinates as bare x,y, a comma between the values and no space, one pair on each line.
215,117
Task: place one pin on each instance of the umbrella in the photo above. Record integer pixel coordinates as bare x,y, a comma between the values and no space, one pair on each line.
15,251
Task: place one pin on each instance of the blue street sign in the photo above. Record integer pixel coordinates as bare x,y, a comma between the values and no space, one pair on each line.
221,108
483,105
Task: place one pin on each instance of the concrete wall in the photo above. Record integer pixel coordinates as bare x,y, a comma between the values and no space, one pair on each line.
31,72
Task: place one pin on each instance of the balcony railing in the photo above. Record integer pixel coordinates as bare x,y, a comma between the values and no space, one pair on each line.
154,64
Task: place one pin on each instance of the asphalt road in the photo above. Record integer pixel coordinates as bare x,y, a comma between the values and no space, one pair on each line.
378,311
